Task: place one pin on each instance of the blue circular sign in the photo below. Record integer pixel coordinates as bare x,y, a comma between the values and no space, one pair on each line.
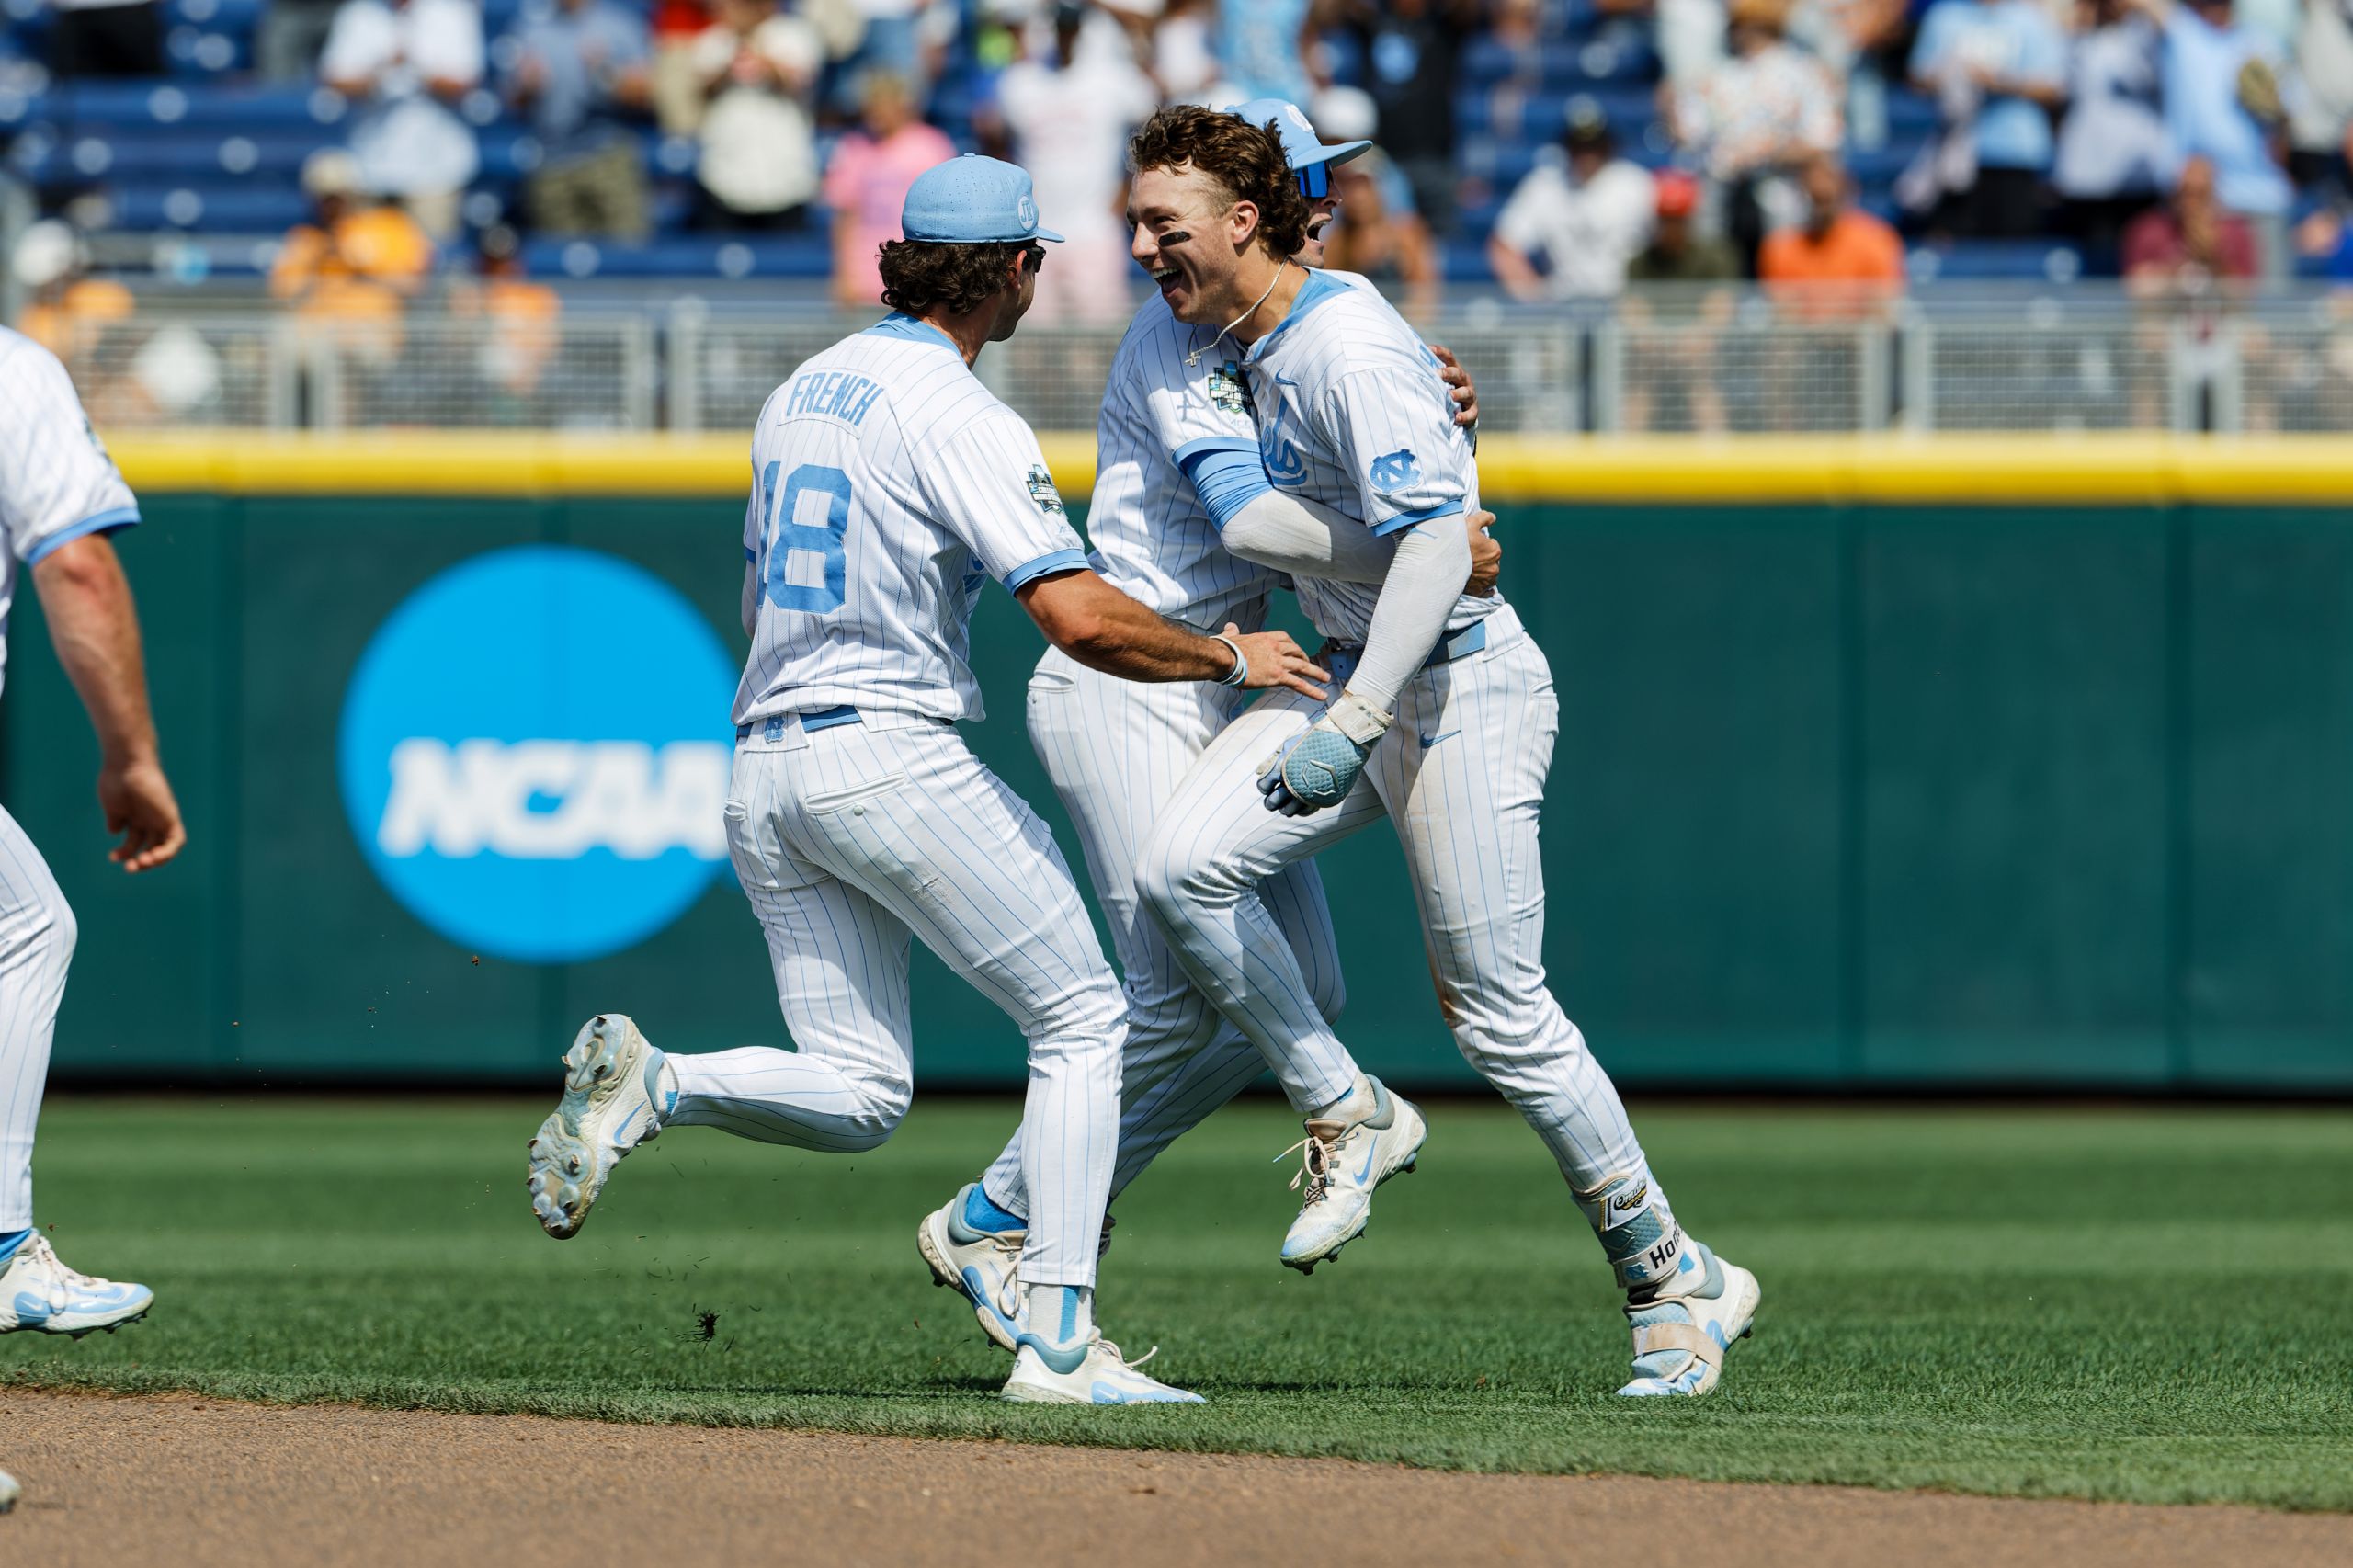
535,753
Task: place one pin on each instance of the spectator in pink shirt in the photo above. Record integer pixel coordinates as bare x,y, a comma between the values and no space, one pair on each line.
868,184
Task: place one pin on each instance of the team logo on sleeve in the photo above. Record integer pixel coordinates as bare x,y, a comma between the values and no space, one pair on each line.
1396,470
1042,490
1228,392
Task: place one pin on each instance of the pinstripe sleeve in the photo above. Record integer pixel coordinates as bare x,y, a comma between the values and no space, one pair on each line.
990,487
1393,430
56,482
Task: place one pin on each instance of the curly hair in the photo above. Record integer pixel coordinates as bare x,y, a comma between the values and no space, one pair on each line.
920,279
1245,160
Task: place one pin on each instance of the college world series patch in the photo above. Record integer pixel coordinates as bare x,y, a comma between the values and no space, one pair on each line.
1042,490
1228,391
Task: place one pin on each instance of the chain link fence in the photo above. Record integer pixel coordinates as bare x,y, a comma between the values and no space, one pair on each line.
1694,362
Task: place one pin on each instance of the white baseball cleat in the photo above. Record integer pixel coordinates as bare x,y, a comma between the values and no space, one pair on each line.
1680,1340
9,1492
612,1084
977,1263
38,1292
980,1263
1344,1161
1092,1373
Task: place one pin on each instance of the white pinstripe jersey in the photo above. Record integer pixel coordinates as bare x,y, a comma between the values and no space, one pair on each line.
888,484
56,482
1350,412
1151,535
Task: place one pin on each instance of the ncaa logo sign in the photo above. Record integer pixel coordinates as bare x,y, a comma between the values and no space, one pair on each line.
535,753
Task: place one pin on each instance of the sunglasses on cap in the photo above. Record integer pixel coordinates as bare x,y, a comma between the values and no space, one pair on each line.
1314,181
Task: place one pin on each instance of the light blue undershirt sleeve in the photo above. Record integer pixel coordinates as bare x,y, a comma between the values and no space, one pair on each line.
1225,472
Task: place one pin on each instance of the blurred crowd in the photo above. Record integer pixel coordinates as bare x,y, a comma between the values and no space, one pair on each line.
1558,148
2075,118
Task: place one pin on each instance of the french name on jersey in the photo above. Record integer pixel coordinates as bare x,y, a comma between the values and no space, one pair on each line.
838,394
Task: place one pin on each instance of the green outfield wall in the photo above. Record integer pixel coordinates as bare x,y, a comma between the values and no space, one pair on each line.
1872,787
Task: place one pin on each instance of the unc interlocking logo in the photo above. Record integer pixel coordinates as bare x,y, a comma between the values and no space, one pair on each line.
1395,470
1028,211
1042,490
1228,392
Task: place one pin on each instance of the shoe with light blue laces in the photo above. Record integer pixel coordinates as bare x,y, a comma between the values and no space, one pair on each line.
1680,1340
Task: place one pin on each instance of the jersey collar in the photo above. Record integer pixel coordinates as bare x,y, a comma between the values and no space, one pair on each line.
898,324
1319,287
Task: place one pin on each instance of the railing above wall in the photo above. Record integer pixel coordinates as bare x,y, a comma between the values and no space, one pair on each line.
2086,359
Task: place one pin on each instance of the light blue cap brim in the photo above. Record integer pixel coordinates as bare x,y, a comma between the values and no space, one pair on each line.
1301,148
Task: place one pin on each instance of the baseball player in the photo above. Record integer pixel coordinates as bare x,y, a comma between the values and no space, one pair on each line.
60,498
1117,749
889,485
1444,723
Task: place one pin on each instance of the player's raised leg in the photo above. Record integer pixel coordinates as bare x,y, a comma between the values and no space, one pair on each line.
1201,874
1463,770
1116,750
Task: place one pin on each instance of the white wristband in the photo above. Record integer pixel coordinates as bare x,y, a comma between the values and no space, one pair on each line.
1240,670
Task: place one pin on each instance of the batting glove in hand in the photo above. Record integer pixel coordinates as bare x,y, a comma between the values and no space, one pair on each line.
1319,766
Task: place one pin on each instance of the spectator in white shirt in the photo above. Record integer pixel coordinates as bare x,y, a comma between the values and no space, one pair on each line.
2115,159
1765,111
409,62
1068,109
758,167
1583,218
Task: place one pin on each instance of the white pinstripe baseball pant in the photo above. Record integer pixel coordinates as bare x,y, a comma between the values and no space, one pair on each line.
37,936
847,841
1462,774
1117,750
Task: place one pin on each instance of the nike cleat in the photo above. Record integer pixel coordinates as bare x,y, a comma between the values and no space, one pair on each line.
612,1082
980,1263
38,1292
1092,1373
977,1263
1344,1161
1680,1340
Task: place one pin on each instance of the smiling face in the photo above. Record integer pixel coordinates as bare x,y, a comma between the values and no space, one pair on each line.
1320,213
1193,239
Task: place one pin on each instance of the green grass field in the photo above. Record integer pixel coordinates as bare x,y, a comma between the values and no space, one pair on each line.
2099,1303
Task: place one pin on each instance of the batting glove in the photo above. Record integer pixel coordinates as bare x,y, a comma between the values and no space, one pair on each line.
1319,766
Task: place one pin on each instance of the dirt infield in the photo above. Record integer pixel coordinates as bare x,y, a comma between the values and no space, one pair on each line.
185,1480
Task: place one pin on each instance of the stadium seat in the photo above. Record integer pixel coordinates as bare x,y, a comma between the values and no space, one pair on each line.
230,209
1973,261
184,104
808,255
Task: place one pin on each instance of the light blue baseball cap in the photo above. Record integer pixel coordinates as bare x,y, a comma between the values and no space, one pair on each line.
971,200
1301,147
